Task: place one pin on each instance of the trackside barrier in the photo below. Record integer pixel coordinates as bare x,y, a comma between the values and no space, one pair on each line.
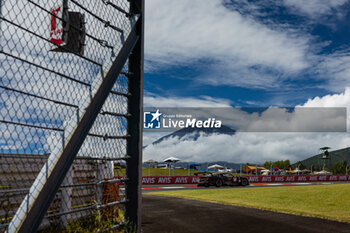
158,180
298,178
149,180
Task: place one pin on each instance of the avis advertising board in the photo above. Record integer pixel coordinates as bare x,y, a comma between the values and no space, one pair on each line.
158,180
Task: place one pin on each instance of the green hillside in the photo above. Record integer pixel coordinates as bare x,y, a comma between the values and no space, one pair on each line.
334,156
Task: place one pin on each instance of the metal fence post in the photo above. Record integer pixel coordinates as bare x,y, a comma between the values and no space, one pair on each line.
66,197
135,105
346,168
66,193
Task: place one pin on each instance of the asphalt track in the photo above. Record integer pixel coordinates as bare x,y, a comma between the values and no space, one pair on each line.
169,214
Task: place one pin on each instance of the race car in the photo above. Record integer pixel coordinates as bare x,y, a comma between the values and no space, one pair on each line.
220,179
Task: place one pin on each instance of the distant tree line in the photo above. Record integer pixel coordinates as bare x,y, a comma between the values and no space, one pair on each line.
281,164
300,165
337,168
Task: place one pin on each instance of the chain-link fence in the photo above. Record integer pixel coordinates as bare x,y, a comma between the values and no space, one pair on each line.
65,115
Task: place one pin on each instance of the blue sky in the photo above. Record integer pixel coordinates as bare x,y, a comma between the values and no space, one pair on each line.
252,53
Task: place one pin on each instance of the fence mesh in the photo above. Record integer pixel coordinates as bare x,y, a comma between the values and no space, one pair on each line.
46,76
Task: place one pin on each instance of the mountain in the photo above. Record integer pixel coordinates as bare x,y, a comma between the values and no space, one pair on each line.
192,134
334,156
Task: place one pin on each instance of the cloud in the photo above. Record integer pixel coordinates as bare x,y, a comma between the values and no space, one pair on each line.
236,47
255,77
301,119
336,100
335,69
314,8
153,100
245,147
149,137
182,32
257,147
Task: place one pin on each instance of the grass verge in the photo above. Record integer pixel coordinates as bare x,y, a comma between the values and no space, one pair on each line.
322,201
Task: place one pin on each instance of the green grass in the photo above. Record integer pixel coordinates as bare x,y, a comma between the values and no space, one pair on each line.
323,201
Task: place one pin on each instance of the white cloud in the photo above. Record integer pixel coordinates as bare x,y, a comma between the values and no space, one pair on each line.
314,8
336,100
335,69
246,147
181,32
238,50
152,100
301,119
149,137
240,75
257,147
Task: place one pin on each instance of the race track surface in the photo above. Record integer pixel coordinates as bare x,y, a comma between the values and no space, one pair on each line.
169,214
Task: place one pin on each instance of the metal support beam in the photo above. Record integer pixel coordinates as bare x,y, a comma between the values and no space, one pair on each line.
135,106
34,206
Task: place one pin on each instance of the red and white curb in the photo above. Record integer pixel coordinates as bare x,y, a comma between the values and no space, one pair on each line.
255,185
